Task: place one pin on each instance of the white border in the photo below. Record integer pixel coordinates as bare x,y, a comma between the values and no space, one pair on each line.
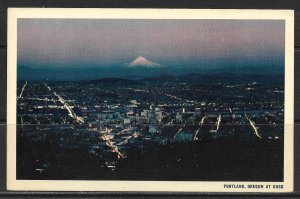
165,186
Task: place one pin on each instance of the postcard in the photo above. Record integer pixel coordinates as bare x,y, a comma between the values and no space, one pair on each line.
150,100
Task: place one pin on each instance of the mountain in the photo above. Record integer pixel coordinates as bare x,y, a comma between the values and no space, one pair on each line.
143,62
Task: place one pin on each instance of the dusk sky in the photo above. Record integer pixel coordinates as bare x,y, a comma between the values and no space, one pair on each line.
61,41
186,43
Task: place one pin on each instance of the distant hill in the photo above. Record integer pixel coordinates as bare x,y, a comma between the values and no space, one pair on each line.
218,77
143,70
115,81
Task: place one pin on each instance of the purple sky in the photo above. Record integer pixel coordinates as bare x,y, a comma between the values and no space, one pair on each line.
64,42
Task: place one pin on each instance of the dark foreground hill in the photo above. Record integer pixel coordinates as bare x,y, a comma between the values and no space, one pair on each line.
216,160
212,160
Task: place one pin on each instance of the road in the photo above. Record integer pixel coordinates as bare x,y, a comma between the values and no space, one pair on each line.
113,147
219,122
135,134
65,104
106,138
179,130
173,96
254,127
121,132
200,125
169,123
178,98
23,88
41,99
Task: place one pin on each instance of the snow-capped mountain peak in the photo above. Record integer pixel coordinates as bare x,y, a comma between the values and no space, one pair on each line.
142,61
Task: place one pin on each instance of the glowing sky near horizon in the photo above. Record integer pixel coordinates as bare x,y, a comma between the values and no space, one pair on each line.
102,42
